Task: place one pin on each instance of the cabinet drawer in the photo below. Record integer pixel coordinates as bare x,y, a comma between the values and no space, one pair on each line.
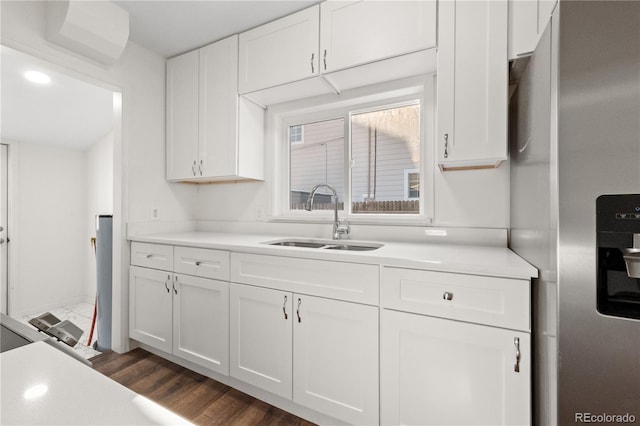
202,262
352,282
494,301
156,256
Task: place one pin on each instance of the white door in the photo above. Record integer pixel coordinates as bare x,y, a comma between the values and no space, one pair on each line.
261,338
150,307
335,358
4,236
282,51
182,116
358,32
219,108
443,372
472,82
201,321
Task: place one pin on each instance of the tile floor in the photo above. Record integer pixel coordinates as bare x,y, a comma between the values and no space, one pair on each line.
80,315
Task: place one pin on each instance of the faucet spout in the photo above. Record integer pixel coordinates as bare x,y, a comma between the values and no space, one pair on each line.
339,229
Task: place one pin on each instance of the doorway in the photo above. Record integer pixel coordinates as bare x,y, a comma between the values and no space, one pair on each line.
63,163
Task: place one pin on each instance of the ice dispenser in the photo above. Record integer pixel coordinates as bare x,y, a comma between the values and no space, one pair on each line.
618,241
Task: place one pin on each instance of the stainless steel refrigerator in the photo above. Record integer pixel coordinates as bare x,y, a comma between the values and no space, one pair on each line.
575,180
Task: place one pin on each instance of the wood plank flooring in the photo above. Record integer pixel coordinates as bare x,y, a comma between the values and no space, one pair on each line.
197,398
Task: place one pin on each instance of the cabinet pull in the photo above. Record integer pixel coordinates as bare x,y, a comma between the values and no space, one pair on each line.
193,167
166,283
298,310
516,342
313,55
446,145
324,59
447,296
284,307
175,280
200,168
198,263
149,256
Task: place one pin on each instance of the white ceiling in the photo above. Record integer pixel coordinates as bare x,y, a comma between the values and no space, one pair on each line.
66,112
173,27
72,113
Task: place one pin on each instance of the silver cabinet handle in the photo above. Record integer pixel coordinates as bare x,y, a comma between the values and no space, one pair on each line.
324,59
193,167
149,256
166,283
298,310
198,263
516,342
313,55
175,280
446,145
284,307
200,168
447,296
1,240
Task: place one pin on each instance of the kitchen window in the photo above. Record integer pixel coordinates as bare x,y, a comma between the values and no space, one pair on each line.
371,153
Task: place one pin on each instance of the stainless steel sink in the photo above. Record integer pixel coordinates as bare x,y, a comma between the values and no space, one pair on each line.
326,244
306,244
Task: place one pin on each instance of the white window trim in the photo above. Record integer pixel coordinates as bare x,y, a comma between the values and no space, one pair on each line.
280,117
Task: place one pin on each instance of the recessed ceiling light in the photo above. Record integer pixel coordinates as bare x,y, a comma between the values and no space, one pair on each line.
37,77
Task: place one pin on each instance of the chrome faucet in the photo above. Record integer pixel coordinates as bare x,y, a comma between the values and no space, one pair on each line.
339,229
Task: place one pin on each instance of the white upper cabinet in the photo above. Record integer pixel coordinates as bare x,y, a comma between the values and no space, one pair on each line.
472,84
527,21
359,32
182,116
212,134
281,51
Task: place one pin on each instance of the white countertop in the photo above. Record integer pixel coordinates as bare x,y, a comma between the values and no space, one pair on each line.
41,385
490,261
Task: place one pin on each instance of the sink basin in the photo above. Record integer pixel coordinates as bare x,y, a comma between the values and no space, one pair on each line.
307,244
326,244
354,247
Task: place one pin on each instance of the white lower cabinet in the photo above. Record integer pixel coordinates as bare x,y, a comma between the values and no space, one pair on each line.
261,338
335,358
180,314
442,372
321,353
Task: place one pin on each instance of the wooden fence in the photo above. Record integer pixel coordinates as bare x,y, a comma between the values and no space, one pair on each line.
363,207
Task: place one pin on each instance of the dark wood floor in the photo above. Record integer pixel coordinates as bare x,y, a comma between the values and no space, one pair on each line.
197,398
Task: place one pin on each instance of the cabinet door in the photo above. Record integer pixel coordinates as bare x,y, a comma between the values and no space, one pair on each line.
261,338
201,321
523,27
440,372
218,154
279,52
335,358
182,116
472,83
150,307
357,32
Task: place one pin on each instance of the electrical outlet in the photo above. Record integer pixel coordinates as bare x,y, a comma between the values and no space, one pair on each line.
155,213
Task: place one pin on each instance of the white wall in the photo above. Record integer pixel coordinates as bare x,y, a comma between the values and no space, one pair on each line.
139,181
48,239
99,176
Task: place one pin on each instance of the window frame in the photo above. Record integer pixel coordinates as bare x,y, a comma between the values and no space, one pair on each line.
389,95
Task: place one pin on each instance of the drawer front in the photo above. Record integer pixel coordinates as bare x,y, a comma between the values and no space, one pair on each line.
200,262
156,256
494,301
353,282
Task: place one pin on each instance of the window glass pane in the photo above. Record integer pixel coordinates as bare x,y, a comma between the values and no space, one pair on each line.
318,157
385,145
